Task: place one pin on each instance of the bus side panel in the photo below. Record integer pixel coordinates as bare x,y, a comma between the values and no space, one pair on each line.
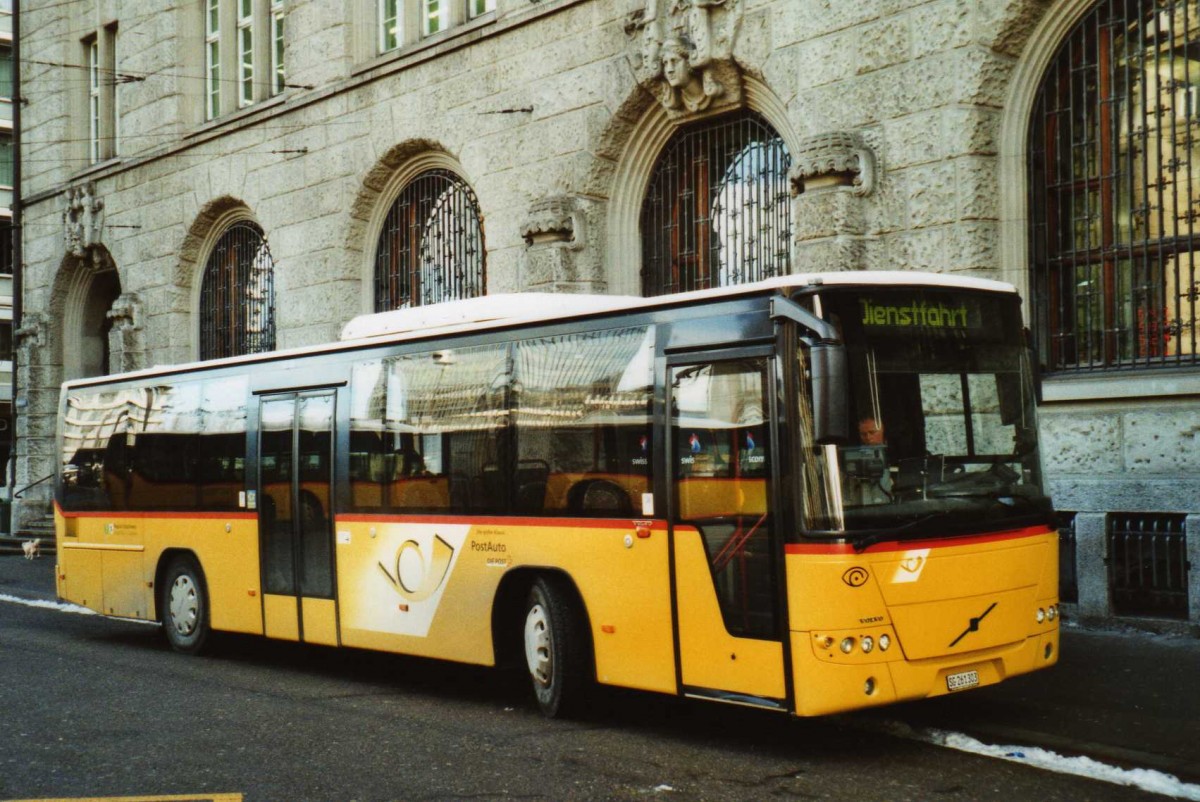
227,549
711,656
100,565
427,589
79,579
943,607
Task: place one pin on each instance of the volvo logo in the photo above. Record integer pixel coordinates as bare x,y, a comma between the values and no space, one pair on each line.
973,625
856,577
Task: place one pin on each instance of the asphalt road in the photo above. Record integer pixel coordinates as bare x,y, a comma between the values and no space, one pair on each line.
95,707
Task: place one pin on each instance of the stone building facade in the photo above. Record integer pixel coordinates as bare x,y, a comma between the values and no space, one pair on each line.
913,137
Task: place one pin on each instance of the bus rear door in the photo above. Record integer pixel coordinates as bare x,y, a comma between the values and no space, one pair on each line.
721,447
295,521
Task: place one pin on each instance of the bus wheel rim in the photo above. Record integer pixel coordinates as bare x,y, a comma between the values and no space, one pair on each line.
538,645
184,606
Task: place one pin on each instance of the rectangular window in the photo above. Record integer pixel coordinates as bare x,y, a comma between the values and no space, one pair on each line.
6,88
389,25
245,26
433,16
582,417
212,38
173,446
93,66
429,432
277,72
480,7
6,160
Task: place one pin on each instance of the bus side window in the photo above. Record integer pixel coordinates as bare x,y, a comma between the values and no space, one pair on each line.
582,409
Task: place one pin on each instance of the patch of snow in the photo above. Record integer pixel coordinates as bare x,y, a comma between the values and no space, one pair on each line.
62,607
1156,782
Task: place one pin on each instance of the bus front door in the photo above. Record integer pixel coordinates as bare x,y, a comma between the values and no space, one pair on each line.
721,450
295,491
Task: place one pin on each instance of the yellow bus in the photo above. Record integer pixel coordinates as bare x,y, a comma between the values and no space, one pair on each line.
811,494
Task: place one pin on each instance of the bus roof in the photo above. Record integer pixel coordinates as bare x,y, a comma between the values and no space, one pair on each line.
502,310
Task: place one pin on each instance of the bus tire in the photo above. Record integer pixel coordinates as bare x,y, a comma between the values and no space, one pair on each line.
184,607
555,649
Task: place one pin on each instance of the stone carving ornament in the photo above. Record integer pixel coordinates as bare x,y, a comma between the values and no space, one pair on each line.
83,220
556,219
682,52
837,158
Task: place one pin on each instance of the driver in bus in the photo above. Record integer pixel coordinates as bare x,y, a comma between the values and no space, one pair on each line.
868,480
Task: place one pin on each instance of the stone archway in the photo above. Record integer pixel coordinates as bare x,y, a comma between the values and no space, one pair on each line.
84,295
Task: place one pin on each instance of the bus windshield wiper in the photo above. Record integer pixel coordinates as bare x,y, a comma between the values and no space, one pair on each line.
863,543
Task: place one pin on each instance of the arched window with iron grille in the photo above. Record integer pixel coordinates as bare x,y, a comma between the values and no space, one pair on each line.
718,208
431,247
237,297
1114,178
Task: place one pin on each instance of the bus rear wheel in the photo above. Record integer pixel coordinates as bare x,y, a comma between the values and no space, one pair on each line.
555,652
184,607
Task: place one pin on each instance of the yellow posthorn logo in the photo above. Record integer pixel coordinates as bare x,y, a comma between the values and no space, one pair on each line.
414,578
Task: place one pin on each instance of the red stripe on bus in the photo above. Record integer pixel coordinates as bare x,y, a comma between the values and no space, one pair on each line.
908,545
586,523
110,514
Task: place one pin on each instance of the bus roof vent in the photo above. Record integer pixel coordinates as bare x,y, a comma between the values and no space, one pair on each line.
526,306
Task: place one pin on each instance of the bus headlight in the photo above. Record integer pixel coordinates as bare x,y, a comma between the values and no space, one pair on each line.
847,645
885,642
1052,612
868,643
1041,616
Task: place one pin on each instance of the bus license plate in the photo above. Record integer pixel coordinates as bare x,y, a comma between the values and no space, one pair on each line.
962,680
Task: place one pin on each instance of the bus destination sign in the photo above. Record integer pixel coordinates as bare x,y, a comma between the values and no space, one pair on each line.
920,314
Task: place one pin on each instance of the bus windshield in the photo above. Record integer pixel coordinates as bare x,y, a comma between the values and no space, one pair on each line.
943,435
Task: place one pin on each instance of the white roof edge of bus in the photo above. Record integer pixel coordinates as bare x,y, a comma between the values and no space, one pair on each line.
455,317
484,309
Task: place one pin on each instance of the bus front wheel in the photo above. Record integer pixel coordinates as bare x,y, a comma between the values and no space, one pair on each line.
184,608
554,648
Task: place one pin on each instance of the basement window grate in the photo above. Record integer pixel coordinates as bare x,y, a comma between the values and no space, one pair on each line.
1147,564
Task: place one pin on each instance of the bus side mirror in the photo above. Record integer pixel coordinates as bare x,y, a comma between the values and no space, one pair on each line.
830,423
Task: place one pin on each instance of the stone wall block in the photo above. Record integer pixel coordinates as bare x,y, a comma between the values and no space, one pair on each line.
1092,573
877,45
932,199
1005,25
807,19
1193,556
1166,441
1077,441
914,140
976,131
824,214
940,26
982,77
831,254
978,188
1106,492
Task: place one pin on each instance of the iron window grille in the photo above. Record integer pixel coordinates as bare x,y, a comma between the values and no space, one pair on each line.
718,208
237,298
1115,190
431,248
1068,565
1148,565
